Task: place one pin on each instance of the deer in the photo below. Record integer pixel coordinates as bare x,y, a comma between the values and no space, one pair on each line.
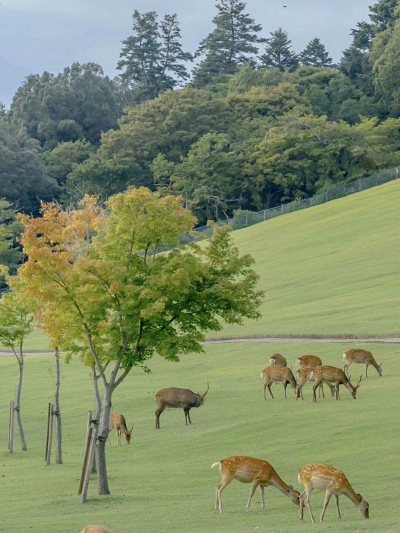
250,470
95,529
325,374
277,360
303,375
362,357
175,397
324,477
309,361
278,374
118,423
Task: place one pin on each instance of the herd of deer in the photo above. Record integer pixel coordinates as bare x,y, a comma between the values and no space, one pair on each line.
255,471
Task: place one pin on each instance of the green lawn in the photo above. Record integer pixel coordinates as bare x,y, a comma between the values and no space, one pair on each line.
162,482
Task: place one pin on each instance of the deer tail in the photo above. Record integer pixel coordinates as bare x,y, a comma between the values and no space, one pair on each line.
217,463
344,357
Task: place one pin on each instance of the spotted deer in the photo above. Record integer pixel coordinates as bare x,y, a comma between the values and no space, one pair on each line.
277,374
277,359
309,361
178,398
304,376
361,357
118,423
250,470
325,374
95,529
324,477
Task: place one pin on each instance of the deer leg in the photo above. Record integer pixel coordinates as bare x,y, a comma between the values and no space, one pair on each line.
337,391
321,389
284,388
261,487
347,368
308,492
314,391
224,483
118,437
158,413
269,388
187,417
366,370
327,498
253,487
339,517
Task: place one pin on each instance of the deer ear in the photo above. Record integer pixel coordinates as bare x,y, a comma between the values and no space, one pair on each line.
290,487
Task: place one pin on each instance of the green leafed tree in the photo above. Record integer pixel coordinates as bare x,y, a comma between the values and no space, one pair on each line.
152,59
315,55
61,160
278,52
105,293
232,43
11,255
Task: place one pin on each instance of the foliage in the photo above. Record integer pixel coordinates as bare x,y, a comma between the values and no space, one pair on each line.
10,230
61,160
153,60
387,66
315,55
231,44
77,104
278,52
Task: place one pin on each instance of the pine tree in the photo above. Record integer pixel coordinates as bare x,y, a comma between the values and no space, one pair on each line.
278,52
315,55
231,44
153,59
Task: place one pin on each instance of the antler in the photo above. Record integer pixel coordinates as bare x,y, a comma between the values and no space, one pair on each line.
359,381
208,386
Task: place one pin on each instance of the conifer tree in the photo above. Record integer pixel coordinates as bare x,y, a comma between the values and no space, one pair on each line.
231,44
315,55
279,53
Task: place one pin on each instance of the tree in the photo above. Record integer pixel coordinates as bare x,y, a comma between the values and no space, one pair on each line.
278,52
10,230
152,58
16,322
315,55
80,103
231,44
61,160
23,176
111,298
386,66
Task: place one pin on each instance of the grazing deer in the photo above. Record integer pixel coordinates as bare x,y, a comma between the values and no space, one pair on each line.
325,477
95,529
325,374
118,423
278,374
183,398
362,357
277,360
309,360
250,470
303,375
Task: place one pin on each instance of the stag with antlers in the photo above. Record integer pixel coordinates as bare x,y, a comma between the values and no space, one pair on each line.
331,374
178,398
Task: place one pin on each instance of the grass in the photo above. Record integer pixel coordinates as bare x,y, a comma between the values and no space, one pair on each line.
162,482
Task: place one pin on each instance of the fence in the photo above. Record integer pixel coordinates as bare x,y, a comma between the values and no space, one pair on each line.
244,219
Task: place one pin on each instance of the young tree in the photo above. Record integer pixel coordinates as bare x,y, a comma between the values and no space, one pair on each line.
152,58
111,298
315,55
278,52
231,44
16,322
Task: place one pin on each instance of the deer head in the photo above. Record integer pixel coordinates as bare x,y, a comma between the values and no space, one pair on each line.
379,369
128,435
363,506
353,389
202,396
293,494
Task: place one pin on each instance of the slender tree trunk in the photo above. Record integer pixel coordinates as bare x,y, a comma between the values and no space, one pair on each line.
98,413
18,401
102,438
57,411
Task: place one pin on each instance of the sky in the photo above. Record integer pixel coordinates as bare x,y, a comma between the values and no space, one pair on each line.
39,35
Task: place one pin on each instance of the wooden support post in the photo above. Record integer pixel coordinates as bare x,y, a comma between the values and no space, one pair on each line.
50,434
11,428
87,448
90,461
47,433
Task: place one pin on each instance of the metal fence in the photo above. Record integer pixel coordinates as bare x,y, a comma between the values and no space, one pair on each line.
244,219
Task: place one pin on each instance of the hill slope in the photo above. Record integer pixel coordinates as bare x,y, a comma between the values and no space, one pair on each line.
332,269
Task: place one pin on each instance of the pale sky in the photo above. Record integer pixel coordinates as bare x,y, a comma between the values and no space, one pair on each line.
39,35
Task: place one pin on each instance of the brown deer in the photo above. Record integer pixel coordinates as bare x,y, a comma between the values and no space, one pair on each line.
278,374
303,375
325,374
324,477
362,357
118,423
181,398
250,470
309,360
95,529
277,360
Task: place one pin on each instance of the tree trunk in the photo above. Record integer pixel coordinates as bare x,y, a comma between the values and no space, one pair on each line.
18,402
98,413
57,411
101,446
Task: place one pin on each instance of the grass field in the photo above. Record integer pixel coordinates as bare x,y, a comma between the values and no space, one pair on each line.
162,482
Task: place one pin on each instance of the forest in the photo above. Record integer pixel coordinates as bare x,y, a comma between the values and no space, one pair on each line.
247,122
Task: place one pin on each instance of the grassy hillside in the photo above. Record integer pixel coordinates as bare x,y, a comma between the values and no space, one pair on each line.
163,481
329,269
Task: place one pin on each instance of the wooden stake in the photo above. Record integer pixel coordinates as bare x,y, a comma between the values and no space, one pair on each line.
47,432
11,428
90,462
50,440
89,431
